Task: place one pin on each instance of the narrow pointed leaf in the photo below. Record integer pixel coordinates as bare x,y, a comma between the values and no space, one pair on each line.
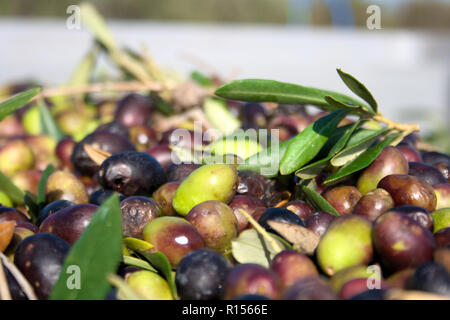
362,161
41,188
267,161
160,262
358,88
356,109
136,262
251,247
16,101
261,90
49,125
11,190
317,201
357,147
307,144
96,254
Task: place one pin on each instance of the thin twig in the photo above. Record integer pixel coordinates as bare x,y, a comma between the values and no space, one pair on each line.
23,283
261,231
395,125
99,87
5,294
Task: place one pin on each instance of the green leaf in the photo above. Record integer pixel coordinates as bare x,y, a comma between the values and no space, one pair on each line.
83,72
220,117
362,161
136,262
358,88
251,247
267,161
336,143
162,105
32,206
307,144
11,190
317,201
97,253
357,146
95,23
261,90
137,244
356,109
16,101
41,188
201,79
344,139
49,125
160,262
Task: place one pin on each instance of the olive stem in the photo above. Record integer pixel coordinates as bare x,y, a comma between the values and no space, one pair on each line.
5,294
395,125
261,230
21,280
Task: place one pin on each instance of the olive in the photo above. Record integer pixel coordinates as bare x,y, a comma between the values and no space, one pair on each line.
389,161
137,211
63,185
343,198
179,172
409,190
426,172
430,277
133,109
101,195
173,236
69,223
131,173
373,204
318,222
216,223
250,278
164,196
103,140
40,258
249,205
51,208
310,288
280,215
201,275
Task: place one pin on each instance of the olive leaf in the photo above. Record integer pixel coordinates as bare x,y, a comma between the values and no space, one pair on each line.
362,161
317,201
32,205
220,117
136,262
12,191
41,187
357,144
96,254
356,109
201,79
96,24
48,123
307,144
16,101
161,263
267,161
251,247
338,143
137,244
261,90
358,88
82,73
304,240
